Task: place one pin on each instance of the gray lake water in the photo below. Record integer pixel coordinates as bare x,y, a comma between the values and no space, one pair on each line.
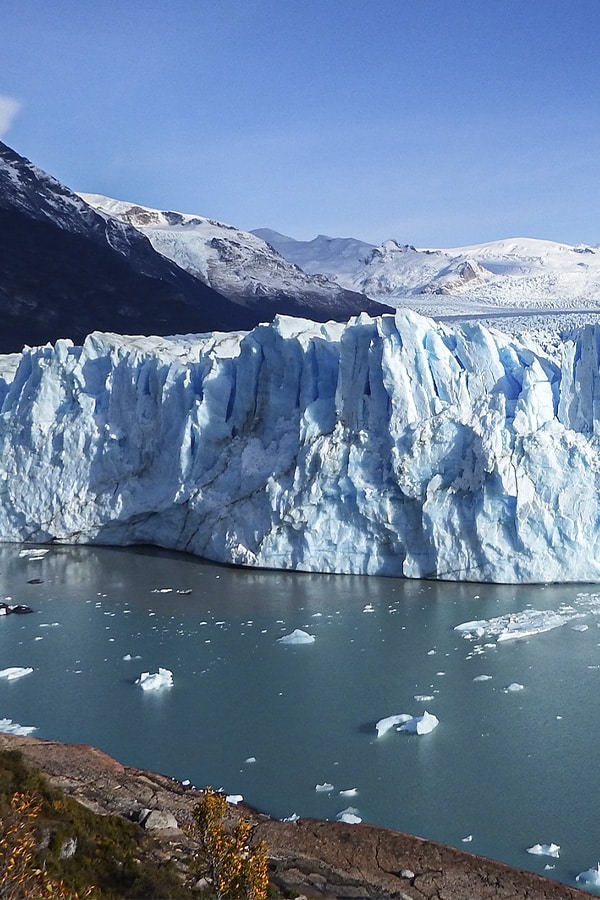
510,769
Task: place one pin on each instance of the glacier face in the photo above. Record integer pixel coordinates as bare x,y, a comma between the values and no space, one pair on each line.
392,446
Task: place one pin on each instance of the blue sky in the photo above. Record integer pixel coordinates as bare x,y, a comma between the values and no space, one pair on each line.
437,122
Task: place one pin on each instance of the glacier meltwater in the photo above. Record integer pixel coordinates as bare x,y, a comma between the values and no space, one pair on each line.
390,446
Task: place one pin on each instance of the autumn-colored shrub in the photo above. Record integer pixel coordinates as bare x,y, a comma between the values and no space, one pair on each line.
236,868
20,876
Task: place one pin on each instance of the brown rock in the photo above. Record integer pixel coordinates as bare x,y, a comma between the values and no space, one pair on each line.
313,858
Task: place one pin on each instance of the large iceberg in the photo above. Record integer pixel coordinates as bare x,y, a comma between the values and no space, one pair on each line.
391,446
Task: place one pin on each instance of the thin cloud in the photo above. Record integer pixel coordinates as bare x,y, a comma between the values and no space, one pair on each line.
9,109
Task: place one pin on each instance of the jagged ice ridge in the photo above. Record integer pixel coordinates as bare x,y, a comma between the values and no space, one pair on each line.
391,446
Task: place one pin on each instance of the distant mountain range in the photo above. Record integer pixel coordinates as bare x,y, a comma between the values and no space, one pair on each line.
75,263
518,273
67,269
238,264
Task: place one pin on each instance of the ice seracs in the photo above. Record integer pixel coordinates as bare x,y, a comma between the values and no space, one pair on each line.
389,446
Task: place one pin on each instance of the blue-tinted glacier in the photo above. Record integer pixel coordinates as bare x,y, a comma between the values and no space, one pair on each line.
391,446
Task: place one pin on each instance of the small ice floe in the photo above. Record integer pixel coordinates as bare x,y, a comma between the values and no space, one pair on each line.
547,867
32,554
49,624
423,698
482,678
161,591
517,625
369,608
234,798
349,792
153,681
390,722
324,788
10,727
349,816
579,627
297,636
590,876
545,850
467,839
251,759
128,657
514,687
420,724
14,672
410,724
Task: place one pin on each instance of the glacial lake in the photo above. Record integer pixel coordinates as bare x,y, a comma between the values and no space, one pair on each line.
249,714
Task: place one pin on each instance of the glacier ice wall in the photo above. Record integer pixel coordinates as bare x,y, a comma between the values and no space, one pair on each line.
391,446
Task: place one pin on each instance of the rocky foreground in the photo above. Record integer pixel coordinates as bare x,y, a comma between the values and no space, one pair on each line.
308,857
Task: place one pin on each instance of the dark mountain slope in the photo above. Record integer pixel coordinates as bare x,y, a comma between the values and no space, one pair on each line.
65,270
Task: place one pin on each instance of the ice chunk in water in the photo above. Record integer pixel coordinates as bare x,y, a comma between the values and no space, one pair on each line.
590,876
153,681
15,672
324,788
389,722
10,727
420,724
545,850
297,637
349,815
513,688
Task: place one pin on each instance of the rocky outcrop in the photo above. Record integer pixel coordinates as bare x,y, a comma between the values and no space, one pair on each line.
309,857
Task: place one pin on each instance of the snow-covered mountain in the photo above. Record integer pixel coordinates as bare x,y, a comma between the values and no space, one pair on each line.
238,264
65,270
516,273
387,446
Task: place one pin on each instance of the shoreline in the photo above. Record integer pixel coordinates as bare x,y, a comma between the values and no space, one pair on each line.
311,857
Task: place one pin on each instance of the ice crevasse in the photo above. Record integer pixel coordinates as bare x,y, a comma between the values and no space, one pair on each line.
390,446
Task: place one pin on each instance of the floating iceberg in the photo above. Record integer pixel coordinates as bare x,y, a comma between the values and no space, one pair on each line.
482,678
590,876
349,816
410,724
14,672
514,688
513,626
154,681
10,727
420,724
545,850
350,792
324,788
390,722
297,637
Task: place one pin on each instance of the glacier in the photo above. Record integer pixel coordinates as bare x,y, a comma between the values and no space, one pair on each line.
385,446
